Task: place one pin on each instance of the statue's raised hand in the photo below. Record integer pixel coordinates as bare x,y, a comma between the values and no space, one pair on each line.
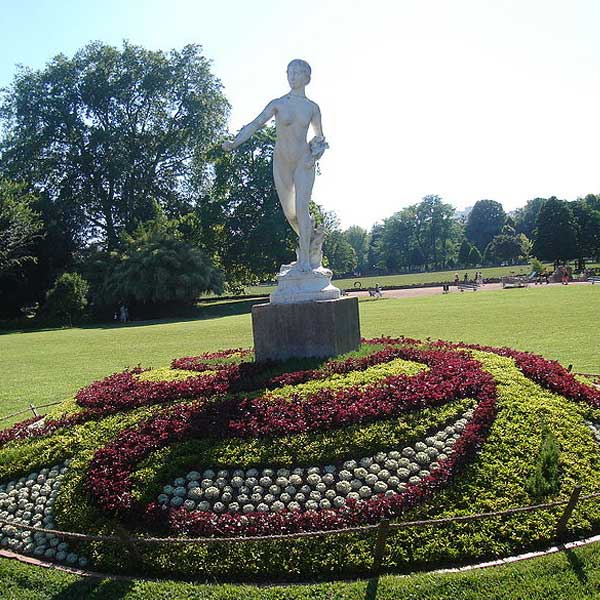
317,146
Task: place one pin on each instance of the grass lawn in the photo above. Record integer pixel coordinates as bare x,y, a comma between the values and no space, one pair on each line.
569,575
558,322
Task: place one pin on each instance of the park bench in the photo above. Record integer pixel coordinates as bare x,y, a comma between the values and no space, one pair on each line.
594,279
468,285
514,282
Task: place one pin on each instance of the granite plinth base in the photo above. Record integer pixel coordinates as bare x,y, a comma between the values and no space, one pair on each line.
306,329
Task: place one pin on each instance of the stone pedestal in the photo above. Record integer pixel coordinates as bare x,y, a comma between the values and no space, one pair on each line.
305,329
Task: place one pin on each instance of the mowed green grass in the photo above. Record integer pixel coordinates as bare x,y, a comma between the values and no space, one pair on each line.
559,322
410,278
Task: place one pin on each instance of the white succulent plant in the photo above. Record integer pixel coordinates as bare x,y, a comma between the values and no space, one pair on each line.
30,501
306,488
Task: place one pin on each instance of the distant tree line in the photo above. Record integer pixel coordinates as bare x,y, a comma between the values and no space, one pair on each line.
114,190
429,236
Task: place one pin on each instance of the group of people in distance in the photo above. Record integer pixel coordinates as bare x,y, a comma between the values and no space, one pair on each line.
478,278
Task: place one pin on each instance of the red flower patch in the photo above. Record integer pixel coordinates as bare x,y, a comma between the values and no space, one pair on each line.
452,375
125,391
547,373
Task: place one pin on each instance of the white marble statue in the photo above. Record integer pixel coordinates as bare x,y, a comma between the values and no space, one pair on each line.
294,161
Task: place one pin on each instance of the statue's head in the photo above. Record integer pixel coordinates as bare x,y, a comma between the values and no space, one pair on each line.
298,73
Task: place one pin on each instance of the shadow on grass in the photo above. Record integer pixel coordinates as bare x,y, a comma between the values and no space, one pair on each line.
214,309
371,591
91,587
577,565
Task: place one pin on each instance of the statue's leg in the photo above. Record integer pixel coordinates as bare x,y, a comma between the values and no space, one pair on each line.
284,184
304,179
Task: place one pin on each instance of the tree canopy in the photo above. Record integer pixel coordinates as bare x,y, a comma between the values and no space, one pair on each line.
67,299
556,235
20,226
157,265
587,219
241,220
358,238
108,131
485,222
425,234
526,217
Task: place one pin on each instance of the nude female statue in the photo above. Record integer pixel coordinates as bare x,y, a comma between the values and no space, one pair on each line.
294,158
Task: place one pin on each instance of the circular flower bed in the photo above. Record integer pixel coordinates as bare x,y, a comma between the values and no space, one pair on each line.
218,446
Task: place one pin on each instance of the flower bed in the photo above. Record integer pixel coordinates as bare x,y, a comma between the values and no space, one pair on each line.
377,493
452,375
219,446
127,390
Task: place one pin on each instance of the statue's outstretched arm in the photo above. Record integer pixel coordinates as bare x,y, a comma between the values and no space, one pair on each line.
247,131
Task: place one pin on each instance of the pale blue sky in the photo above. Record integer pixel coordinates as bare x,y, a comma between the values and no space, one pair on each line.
467,99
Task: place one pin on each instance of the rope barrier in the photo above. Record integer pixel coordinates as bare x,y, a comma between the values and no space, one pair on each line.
32,408
481,516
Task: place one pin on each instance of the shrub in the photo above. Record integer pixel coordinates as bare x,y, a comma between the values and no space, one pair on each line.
545,479
162,270
537,266
67,300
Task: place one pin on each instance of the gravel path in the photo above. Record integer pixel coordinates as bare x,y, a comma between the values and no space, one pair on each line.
434,291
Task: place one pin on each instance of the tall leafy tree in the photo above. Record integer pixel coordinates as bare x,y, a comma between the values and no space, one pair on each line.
508,246
434,227
505,247
397,246
22,234
340,255
241,220
556,232
67,299
435,232
108,130
526,217
484,223
375,254
593,201
358,238
20,226
587,220
422,235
